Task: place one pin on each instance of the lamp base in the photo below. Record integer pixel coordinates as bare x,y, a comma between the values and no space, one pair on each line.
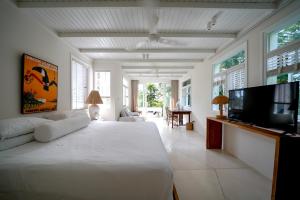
221,117
94,111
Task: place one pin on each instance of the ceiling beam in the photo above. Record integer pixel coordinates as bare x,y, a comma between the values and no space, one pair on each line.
145,35
150,73
157,67
120,4
150,60
102,50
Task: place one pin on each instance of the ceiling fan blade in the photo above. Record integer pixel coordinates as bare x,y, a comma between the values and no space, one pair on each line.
141,44
129,49
153,23
171,42
151,14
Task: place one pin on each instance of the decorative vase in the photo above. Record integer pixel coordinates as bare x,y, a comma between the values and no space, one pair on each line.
94,111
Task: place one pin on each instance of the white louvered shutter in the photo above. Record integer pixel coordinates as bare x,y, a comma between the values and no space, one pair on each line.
79,85
236,78
283,60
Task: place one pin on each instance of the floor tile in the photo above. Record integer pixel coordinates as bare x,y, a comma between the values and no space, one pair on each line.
220,160
244,184
203,174
184,162
197,185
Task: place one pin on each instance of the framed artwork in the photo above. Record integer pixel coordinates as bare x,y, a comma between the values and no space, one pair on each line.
39,85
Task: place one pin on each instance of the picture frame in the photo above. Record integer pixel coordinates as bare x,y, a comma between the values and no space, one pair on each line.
39,85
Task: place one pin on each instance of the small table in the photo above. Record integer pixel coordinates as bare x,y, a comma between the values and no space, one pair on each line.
180,113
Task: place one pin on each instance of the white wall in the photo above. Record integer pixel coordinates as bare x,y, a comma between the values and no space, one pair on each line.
22,34
201,95
256,151
112,112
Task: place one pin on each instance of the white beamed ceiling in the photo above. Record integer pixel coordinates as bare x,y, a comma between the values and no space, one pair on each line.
132,19
130,42
151,55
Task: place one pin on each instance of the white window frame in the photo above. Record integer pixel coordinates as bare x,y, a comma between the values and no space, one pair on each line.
294,45
186,88
293,18
87,66
125,97
106,99
242,47
231,70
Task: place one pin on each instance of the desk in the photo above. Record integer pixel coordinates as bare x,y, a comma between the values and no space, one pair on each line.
180,113
286,174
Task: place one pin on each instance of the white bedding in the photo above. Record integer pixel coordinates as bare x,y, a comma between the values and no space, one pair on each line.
107,160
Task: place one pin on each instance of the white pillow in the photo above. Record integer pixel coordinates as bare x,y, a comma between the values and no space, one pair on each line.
19,126
123,113
76,113
56,116
56,129
15,141
128,112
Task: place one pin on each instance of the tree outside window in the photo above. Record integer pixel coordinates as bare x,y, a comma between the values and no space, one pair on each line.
154,96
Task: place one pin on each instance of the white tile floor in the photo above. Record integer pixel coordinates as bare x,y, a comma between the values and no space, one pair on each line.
203,174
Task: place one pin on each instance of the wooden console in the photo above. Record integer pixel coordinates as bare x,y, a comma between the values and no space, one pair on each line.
286,172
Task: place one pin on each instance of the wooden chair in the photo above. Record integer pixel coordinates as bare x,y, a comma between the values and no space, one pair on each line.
169,117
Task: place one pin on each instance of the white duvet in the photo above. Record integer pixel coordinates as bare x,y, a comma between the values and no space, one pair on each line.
106,160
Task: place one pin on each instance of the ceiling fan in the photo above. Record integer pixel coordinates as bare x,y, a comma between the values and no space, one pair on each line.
153,34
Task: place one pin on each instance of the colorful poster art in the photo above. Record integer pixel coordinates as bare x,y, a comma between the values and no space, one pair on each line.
39,85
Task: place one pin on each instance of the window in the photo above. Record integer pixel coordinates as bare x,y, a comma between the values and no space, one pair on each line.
186,93
79,84
236,77
285,36
125,93
228,75
142,95
283,55
102,84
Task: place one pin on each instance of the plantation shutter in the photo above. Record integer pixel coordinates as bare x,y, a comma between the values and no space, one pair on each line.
284,60
236,78
79,85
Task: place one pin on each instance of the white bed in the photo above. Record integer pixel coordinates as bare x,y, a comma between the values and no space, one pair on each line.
106,160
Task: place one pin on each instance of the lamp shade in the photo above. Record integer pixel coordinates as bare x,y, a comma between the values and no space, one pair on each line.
220,100
94,98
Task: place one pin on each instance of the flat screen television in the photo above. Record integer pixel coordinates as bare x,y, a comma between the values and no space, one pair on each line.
270,106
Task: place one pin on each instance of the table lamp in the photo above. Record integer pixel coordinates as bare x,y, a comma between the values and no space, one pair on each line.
94,98
221,100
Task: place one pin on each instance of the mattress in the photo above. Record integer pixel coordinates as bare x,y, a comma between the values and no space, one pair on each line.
106,160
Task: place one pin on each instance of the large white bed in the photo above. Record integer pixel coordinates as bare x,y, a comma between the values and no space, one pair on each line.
106,160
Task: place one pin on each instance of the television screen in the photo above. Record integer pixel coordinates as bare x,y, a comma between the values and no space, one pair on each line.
270,106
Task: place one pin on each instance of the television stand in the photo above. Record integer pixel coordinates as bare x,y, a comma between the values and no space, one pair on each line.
286,173
288,133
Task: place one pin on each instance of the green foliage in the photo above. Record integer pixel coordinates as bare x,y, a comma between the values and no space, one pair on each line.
282,78
221,90
230,62
140,98
234,60
289,34
153,96
165,90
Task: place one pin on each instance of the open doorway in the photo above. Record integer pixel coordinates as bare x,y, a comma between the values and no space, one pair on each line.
153,98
